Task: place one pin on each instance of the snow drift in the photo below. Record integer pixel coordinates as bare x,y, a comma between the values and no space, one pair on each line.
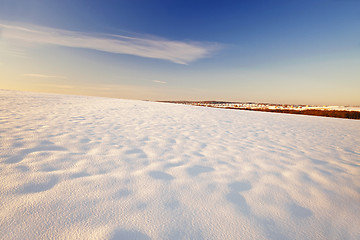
75,167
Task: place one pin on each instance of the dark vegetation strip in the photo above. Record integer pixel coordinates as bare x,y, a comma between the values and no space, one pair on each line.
313,112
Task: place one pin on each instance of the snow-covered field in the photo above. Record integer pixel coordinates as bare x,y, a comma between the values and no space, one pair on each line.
74,167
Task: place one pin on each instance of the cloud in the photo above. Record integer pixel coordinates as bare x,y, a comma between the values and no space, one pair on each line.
175,51
41,75
157,81
56,86
13,51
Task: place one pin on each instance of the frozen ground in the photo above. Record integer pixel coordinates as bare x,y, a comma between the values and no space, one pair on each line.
77,167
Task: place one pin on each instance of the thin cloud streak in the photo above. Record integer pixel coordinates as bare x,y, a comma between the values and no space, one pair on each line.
56,86
42,75
157,81
174,51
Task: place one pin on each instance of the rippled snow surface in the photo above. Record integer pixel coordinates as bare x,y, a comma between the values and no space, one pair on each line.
75,167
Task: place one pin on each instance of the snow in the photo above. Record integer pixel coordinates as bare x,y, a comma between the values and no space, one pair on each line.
75,167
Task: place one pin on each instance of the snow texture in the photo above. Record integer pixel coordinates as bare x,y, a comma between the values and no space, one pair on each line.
75,167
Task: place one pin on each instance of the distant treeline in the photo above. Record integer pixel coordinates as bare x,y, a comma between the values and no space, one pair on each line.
314,112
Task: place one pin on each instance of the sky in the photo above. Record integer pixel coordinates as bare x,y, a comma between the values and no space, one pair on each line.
281,51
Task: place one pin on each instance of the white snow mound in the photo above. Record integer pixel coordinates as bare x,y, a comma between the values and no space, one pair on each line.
75,167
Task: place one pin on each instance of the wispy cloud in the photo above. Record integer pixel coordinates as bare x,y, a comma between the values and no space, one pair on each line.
36,75
175,51
13,51
56,86
157,81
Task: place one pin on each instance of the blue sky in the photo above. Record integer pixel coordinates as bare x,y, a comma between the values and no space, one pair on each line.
290,51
